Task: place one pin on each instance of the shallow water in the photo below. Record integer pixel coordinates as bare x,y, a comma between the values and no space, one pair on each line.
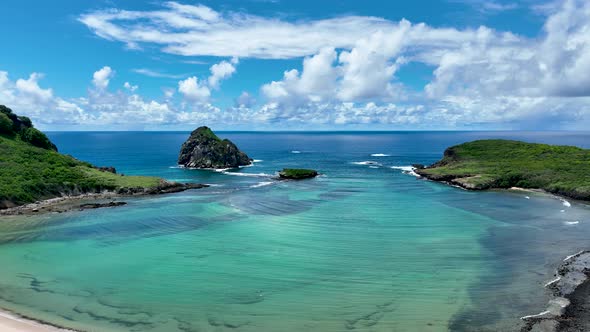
363,247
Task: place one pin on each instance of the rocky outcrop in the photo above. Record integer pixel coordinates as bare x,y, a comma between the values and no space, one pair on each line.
567,310
88,206
204,149
297,174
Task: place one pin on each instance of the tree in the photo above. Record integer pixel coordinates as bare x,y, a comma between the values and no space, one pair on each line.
5,125
36,138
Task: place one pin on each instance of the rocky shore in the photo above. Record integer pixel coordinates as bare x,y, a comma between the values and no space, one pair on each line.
568,310
97,200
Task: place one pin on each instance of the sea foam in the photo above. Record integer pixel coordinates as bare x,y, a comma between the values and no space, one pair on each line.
261,184
406,170
368,162
380,155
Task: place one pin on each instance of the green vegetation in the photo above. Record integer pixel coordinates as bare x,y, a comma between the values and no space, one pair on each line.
297,173
29,173
485,164
206,132
21,128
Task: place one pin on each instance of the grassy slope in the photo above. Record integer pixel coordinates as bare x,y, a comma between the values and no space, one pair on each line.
502,164
29,173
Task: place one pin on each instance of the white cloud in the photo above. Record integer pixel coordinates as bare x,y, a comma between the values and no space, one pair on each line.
481,78
221,71
130,87
30,88
101,77
316,81
178,29
155,73
193,90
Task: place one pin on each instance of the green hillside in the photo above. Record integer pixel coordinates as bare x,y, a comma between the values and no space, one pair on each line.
31,168
485,164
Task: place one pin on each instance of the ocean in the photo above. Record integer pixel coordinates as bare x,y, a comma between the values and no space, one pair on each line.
365,247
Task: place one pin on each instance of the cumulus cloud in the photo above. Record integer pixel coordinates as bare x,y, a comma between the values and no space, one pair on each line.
194,90
221,71
348,74
130,87
31,89
101,77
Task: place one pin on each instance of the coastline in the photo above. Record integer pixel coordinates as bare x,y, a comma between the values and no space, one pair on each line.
67,203
13,322
567,311
454,182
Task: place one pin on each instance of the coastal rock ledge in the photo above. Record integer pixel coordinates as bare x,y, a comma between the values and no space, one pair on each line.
568,310
204,149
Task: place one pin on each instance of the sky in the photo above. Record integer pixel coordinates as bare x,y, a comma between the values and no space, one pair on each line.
297,65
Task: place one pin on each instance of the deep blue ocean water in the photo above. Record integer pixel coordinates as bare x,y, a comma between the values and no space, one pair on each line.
363,247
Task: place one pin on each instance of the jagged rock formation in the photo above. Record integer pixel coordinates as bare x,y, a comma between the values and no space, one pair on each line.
204,149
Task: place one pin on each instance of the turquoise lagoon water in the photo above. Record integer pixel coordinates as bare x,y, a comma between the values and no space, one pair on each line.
364,247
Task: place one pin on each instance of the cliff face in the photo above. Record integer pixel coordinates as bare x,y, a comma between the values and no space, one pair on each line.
204,149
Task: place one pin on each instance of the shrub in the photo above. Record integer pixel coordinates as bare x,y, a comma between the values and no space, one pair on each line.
36,138
5,125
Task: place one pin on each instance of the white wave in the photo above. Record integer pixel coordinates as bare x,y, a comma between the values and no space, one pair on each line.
244,166
295,151
257,160
368,162
261,184
565,203
406,170
177,166
256,175
541,314
572,222
527,197
380,155
572,256
220,170
556,279
561,210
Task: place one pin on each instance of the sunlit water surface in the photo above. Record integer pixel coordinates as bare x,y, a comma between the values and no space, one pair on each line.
364,247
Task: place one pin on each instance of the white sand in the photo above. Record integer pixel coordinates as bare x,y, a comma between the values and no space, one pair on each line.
12,323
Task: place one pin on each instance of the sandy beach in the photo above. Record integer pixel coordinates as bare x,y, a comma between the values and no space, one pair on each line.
10,322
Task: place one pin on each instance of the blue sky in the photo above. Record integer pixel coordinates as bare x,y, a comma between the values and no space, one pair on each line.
297,65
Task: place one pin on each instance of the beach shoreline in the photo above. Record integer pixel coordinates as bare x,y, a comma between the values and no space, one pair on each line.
13,322
68,203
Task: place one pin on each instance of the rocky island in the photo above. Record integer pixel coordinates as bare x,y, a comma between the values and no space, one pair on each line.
204,149
503,164
297,174
31,171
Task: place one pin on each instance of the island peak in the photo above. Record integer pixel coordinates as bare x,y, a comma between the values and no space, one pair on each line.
204,149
